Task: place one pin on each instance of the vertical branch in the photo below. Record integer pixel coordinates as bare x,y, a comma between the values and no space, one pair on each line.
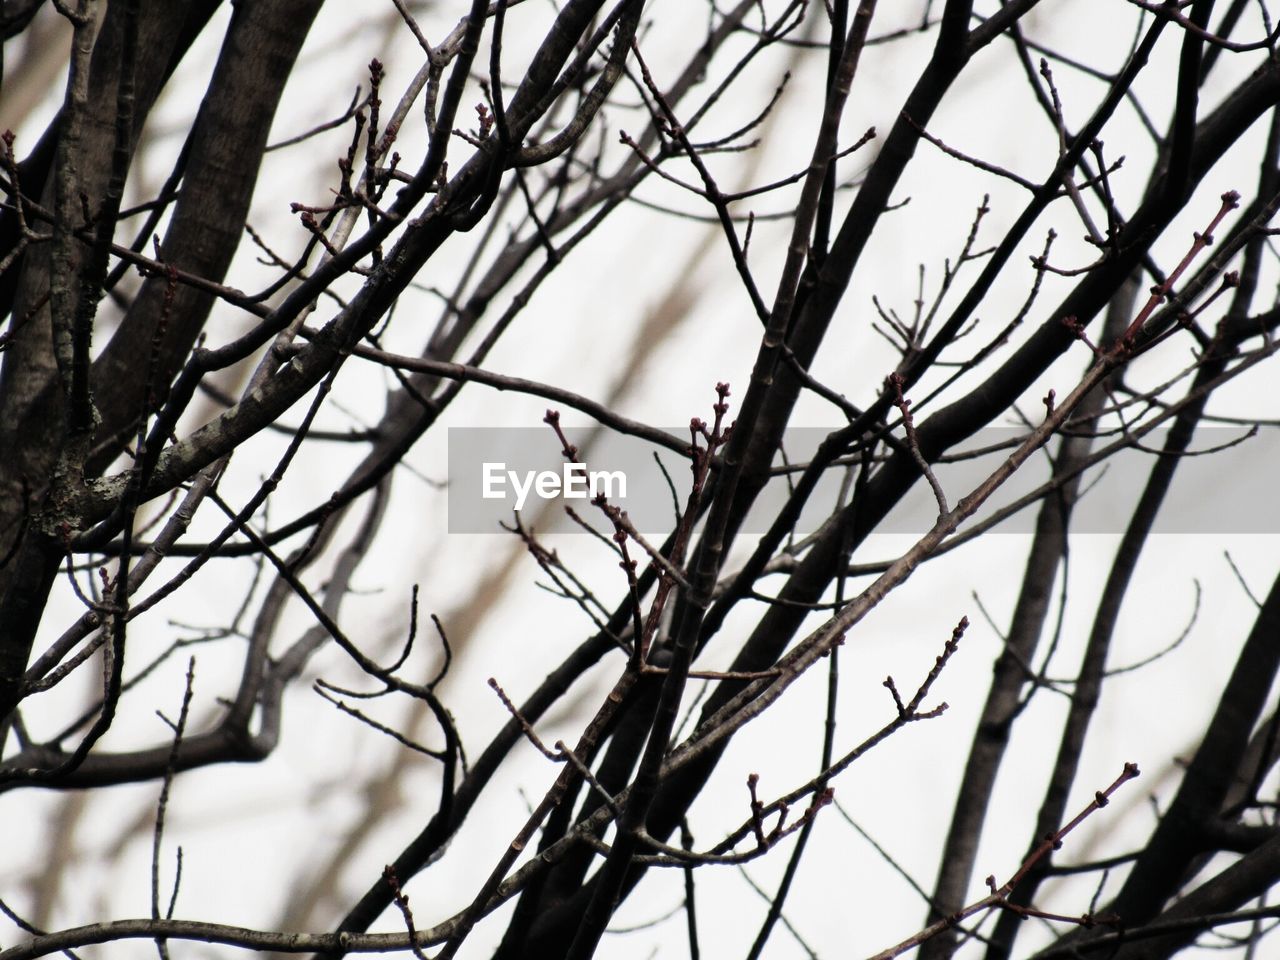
609,882
1181,137
162,807
1002,707
839,16
66,294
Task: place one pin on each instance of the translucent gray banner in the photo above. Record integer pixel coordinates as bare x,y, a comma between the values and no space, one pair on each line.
1228,483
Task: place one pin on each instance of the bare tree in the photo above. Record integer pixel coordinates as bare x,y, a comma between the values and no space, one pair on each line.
215,261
